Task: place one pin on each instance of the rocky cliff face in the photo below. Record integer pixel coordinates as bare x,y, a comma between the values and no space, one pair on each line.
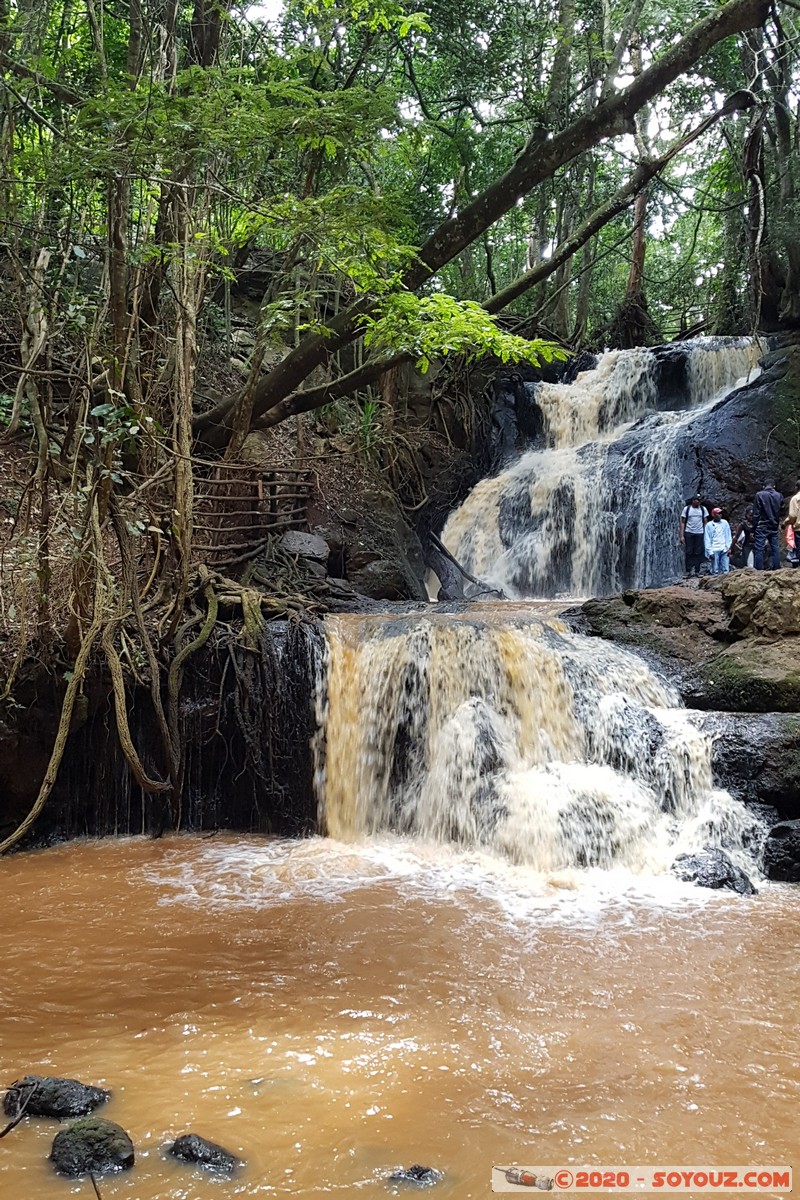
732,647
247,719
752,434
733,644
726,454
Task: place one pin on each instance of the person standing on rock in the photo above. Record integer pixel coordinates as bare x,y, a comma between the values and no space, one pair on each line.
745,539
718,543
692,528
767,518
793,518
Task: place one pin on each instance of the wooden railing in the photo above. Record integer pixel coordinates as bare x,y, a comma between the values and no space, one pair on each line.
237,507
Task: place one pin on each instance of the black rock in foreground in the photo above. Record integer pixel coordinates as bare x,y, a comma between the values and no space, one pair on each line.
421,1176
92,1145
48,1096
712,868
191,1148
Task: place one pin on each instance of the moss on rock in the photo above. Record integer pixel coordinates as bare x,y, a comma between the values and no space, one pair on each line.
755,675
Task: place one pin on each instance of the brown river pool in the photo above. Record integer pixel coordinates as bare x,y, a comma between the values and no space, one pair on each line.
331,1012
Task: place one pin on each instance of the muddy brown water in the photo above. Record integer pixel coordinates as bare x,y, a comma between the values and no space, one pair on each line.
332,1012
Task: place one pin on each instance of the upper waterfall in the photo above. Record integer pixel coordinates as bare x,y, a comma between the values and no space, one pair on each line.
597,509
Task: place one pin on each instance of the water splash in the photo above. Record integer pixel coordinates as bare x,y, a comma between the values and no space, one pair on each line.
515,737
598,510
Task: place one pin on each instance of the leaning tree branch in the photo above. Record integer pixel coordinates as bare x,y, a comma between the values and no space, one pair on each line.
325,393
539,160
622,199
316,397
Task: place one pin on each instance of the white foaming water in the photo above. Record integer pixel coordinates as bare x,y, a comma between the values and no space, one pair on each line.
517,739
595,513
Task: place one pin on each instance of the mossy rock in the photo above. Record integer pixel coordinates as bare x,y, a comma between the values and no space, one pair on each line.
50,1096
751,676
92,1146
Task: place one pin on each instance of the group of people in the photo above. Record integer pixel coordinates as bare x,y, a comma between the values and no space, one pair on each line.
707,536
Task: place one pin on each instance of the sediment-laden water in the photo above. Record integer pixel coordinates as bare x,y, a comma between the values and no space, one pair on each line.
334,1011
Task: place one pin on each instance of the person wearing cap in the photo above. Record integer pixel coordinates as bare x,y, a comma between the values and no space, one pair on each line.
718,543
693,522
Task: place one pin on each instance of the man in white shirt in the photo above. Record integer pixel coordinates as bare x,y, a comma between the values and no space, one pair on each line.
718,543
692,529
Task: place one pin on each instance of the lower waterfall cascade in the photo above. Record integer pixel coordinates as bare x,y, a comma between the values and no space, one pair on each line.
501,732
597,510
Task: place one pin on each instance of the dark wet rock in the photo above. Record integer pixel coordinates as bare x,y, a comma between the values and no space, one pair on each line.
711,868
92,1145
191,1148
49,1096
756,757
416,1175
373,545
380,580
782,852
748,436
307,545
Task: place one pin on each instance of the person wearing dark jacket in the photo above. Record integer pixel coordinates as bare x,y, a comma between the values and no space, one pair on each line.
767,518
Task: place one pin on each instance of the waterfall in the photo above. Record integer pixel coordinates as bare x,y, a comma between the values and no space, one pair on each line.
597,509
512,735
500,730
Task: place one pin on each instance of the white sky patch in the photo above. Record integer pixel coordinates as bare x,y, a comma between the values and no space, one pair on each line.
410,110
265,10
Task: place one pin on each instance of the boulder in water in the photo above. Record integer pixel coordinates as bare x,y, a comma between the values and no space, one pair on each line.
191,1148
92,1146
782,852
712,868
417,1175
49,1096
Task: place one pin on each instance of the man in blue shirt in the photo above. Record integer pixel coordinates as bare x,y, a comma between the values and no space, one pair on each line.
718,543
766,518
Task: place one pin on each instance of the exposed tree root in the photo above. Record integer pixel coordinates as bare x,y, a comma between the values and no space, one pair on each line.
123,728
70,696
20,1112
147,642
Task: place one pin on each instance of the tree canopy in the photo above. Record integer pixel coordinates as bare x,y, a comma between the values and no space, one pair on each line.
393,168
